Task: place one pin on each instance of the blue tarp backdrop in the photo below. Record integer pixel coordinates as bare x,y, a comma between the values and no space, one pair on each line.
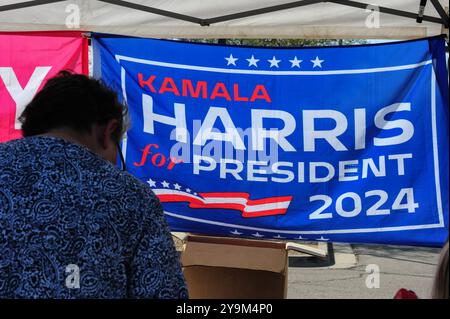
342,144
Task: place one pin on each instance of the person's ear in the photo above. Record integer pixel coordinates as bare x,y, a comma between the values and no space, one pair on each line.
109,129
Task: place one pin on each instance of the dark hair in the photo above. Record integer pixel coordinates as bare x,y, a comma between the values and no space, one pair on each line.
73,101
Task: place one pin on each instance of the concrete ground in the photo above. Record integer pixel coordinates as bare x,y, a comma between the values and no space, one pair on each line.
344,275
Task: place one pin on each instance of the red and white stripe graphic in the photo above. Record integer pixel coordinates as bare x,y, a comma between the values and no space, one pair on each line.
268,206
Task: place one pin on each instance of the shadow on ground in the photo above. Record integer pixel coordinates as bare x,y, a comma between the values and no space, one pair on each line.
312,261
401,253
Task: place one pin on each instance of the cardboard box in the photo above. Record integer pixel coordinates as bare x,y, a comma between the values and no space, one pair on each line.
233,268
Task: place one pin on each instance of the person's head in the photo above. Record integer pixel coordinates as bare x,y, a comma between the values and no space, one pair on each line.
80,108
440,287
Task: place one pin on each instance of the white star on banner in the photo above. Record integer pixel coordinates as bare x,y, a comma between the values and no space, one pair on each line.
257,235
177,187
322,238
295,62
317,62
151,182
252,61
301,238
231,60
188,190
165,184
278,237
235,232
274,62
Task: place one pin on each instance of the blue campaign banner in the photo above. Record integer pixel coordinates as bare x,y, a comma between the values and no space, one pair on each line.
340,144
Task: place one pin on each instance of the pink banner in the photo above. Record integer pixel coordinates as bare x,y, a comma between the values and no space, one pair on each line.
27,60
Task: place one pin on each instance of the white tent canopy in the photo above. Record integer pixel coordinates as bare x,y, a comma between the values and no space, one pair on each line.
231,18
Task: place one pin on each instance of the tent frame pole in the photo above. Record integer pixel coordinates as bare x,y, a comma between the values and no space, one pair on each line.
443,16
156,11
254,12
395,12
422,6
27,4
442,20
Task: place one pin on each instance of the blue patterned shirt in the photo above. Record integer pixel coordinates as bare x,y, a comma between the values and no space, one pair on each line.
74,226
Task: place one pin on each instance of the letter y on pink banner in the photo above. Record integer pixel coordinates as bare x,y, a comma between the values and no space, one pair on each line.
27,60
